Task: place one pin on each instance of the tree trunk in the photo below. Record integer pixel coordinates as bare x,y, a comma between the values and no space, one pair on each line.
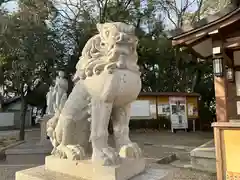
196,80
22,117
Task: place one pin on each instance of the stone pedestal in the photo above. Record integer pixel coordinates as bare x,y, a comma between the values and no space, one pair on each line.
43,127
61,169
87,170
40,173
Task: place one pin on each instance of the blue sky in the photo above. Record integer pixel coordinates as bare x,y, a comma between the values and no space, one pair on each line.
11,6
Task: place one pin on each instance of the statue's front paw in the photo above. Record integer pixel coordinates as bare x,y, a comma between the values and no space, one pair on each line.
50,132
110,156
77,152
106,156
131,150
72,152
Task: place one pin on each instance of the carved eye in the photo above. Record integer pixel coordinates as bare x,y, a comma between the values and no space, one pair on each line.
107,33
102,44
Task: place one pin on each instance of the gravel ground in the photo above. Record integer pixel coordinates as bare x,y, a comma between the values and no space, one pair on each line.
184,174
7,141
7,172
7,138
180,138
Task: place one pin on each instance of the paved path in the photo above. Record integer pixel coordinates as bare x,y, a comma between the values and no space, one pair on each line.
152,144
180,138
157,144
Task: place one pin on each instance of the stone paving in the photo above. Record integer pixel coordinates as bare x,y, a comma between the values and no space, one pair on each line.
177,139
154,144
184,174
159,144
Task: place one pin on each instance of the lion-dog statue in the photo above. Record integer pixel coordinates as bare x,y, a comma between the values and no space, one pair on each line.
109,81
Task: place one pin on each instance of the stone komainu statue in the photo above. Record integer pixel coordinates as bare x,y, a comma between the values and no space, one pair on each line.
109,82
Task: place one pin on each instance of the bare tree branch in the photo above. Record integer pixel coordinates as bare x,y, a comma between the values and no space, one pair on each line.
198,11
127,4
169,15
104,11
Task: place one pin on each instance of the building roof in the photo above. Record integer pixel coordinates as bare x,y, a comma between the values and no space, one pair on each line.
229,10
222,25
169,94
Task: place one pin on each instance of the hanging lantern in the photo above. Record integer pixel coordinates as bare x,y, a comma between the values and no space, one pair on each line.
230,74
218,67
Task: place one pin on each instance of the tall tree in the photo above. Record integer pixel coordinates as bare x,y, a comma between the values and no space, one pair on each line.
30,49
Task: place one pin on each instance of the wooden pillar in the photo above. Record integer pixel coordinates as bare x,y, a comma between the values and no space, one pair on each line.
218,153
227,144
220,84
232,102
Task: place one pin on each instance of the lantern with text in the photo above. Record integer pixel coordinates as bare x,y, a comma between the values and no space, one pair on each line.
218,67
230,74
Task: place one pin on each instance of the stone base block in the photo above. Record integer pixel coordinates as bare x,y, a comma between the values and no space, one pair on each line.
28,156
87,170
43,126
203,158
204,164
40,173
27,153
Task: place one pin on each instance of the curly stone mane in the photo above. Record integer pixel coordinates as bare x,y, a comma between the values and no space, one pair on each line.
106,50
